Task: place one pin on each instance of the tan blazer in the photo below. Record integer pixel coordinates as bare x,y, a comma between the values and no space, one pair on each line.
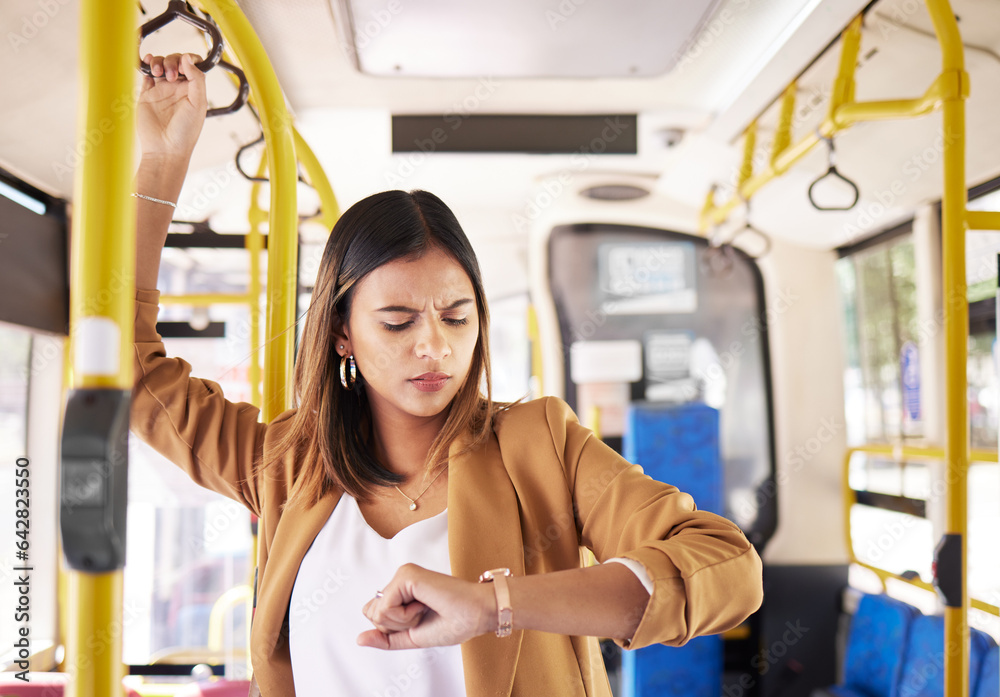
529,499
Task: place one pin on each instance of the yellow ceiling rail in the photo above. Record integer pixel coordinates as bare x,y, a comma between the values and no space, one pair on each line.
205,299
843,112
749,145
329,208
982,220
282,279
783,136
901,454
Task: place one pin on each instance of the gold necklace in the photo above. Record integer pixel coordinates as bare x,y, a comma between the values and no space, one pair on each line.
413,502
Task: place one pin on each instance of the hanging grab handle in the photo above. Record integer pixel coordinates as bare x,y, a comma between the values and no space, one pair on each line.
241,96
176,9
832,172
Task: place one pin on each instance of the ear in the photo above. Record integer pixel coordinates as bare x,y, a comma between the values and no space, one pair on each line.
340,336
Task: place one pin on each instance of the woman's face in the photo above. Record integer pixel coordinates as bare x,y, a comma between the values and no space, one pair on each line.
412,330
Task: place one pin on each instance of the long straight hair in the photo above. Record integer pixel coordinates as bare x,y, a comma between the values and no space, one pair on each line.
332,428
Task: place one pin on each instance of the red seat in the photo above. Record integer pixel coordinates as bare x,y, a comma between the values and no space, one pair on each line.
38,685
216,688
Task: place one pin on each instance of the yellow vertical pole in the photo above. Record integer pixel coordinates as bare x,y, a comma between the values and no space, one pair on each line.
282,241
956,332
255,245
102,293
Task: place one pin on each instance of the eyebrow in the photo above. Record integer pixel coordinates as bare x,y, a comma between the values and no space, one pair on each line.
401,308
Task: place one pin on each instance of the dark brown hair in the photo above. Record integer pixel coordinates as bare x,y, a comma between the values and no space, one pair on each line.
332,428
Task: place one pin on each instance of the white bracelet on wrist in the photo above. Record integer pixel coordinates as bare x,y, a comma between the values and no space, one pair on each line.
155,200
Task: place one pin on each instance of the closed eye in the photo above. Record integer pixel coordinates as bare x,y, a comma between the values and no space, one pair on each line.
400,327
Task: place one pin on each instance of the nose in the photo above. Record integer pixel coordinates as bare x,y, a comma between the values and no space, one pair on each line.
432,342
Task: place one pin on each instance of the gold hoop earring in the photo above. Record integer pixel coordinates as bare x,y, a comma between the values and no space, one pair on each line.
347,364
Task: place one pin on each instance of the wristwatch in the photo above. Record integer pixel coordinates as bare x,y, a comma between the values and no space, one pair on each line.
505,615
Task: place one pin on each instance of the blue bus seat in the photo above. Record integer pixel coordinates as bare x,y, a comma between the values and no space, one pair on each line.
876,646
923,667
988,684
679,445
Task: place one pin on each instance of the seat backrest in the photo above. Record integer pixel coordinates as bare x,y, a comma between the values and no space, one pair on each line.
923,667
988,684
876,645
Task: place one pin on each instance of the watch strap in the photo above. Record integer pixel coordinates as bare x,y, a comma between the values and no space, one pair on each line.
505,614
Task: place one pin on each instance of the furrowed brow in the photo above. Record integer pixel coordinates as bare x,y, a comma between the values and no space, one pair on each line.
400,308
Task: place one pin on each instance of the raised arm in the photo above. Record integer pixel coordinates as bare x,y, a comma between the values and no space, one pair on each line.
186,419
170,115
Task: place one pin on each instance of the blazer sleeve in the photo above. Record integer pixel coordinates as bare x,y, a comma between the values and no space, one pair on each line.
706,575
188,420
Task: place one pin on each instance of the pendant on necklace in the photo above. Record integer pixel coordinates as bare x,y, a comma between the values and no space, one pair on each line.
413,506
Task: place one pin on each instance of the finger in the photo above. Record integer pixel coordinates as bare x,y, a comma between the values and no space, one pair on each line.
373,638
147,81
387,642
156,65
196,78
172,64
398,617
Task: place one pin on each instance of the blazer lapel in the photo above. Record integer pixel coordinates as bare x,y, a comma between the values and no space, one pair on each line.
269,640
484,532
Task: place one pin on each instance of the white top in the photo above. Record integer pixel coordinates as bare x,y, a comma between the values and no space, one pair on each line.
347,562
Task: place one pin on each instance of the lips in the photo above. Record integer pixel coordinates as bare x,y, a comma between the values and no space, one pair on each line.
430,382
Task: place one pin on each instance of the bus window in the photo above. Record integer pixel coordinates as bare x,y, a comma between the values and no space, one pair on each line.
187,546
982,248
509,347
15,356
878,286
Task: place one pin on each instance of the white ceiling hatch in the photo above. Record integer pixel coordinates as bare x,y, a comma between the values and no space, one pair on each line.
519,38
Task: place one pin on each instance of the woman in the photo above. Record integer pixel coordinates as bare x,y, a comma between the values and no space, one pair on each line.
395,485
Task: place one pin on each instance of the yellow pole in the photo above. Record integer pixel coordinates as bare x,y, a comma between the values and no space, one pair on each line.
282,251
749,144
330,209
255,245
843,86
783,136
102,294
956,332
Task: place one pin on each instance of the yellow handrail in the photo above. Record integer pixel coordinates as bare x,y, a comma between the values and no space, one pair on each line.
948,91
216,620
282,281
102,291
900,454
